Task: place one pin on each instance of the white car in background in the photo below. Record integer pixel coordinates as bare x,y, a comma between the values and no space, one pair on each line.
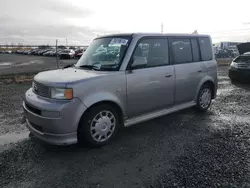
67,54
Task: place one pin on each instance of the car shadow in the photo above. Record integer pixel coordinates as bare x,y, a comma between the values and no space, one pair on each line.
244,85
172,123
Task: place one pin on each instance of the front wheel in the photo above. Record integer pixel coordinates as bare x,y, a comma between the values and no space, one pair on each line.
98,126
204,98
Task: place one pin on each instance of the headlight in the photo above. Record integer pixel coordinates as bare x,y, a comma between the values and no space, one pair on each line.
233,64
58,93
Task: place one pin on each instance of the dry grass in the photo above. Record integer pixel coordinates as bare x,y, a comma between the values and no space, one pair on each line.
16,79
224,61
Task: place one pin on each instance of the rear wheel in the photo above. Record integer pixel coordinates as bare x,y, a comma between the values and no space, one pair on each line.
204,98
98,126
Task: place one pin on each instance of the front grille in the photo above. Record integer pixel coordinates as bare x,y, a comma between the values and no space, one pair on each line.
243,65
41,90
32,109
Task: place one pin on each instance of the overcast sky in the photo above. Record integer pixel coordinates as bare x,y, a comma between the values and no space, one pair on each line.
42,21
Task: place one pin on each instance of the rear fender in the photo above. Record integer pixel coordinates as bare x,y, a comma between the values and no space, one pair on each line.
205,79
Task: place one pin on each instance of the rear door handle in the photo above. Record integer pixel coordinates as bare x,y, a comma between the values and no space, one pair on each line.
168,75
199,71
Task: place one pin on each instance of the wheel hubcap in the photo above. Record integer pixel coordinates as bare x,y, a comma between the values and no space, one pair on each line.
205,98
102,126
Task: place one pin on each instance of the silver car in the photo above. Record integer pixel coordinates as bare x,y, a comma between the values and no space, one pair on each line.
121,80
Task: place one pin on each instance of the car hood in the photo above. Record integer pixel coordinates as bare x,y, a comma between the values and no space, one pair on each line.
243,47
62,77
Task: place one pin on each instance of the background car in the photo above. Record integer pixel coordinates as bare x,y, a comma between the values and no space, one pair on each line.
240,67
67,54
78,53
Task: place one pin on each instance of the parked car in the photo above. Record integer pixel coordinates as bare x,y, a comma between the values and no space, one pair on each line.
240,67
67,54
43,51
38,52
34,52
30,52
91,100
6,51
78,53
223,53
48,53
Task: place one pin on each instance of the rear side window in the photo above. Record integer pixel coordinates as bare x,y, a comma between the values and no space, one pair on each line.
182,51
195,49
206,49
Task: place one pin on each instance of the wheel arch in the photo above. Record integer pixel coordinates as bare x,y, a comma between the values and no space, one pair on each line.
81,129
207,81
106,99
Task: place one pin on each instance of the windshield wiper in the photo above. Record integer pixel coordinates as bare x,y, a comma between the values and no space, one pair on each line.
67,66
90,67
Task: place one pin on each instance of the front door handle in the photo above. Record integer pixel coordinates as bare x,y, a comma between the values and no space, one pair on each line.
168,75
199,71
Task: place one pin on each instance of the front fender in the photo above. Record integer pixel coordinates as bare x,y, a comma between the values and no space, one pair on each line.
102,97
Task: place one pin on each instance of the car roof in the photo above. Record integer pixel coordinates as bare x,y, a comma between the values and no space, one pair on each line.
154,34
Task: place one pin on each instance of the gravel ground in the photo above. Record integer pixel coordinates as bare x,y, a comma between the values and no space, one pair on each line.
11,107
185,149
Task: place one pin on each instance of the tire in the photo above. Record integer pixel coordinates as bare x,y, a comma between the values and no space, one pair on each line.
204,98
93,132
233,81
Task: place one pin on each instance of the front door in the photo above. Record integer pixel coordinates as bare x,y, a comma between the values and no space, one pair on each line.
150,85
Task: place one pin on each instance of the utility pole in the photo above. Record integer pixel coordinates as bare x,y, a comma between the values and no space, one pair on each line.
66,42
57,64
162,27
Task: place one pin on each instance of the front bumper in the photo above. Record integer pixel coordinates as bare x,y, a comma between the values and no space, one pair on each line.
239,75
55,139
53,121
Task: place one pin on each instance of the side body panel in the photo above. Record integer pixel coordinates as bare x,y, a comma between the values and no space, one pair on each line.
188,78
150,89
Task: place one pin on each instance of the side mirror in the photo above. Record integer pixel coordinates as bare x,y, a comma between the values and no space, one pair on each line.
138,62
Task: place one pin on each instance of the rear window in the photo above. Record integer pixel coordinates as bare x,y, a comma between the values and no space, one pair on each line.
206,49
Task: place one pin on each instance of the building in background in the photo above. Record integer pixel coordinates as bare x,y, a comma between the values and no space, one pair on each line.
226,45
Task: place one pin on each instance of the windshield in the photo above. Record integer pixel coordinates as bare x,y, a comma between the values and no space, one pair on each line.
104,53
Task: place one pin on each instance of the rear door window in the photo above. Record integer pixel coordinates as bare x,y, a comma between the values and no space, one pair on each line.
182,51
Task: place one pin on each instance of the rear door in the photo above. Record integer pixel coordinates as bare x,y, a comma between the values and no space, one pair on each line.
189,70
150,86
